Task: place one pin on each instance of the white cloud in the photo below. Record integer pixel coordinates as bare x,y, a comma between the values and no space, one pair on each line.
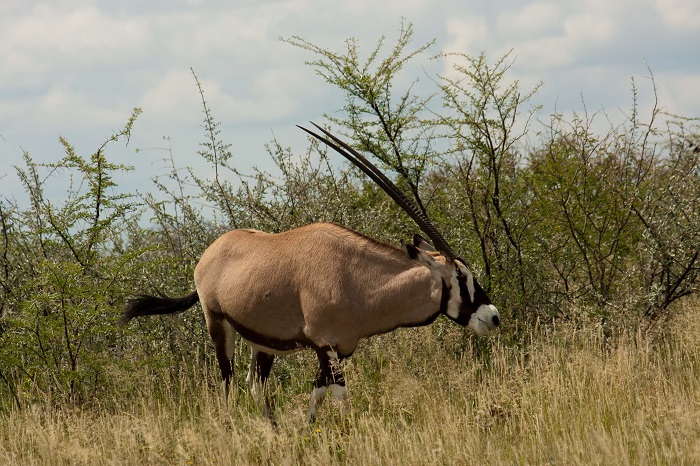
275,94
678,92
544,35
52,37
588,28
537,19
680,14
174,97
66,108
392,7
467,34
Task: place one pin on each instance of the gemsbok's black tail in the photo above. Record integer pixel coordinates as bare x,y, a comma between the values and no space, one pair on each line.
145,305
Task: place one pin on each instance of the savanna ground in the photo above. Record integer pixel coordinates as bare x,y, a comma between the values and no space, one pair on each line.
561,395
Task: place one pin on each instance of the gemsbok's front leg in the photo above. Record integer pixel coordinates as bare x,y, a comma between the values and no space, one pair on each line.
328,376
260,367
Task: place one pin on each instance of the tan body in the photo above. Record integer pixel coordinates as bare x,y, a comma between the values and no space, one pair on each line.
320,284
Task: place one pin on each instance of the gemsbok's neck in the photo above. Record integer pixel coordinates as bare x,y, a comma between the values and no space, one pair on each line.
410,299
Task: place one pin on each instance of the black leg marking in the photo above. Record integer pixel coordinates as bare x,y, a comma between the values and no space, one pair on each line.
328,375
260,366
329,372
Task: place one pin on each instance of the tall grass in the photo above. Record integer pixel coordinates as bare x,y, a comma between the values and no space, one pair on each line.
562,395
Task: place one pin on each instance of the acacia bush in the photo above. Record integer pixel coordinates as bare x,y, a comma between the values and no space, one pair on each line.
64,267
570,219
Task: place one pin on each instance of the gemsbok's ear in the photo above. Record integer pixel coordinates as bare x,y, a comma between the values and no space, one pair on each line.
422,257
422,243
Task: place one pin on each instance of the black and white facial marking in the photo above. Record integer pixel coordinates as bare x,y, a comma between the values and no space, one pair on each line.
468,303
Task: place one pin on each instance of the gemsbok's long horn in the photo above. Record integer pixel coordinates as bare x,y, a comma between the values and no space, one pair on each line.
388,186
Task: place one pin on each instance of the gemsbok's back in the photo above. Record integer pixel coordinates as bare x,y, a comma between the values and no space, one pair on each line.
323,287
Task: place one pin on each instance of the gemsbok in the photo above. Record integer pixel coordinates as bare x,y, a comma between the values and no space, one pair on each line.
323,287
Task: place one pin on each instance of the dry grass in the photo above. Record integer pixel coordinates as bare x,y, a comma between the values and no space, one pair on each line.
426,396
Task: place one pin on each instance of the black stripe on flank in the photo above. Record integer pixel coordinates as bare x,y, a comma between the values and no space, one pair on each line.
270,342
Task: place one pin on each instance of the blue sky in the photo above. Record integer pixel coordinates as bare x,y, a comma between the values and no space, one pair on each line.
76,68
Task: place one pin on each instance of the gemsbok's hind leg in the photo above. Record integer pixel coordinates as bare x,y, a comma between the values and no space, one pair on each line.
224,337
329,376
260,367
